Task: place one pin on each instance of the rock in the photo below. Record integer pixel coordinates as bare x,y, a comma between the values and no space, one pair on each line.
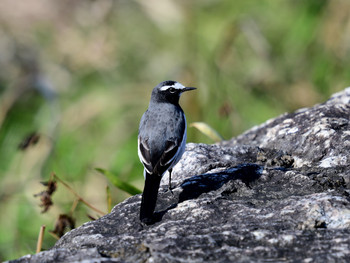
278,192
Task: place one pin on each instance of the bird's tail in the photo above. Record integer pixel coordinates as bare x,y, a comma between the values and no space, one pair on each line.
149,197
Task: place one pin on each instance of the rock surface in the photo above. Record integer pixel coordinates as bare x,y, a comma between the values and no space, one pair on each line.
277,193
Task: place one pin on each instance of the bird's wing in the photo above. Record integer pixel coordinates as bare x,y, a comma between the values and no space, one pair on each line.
159,149
165,160
145,154
167,157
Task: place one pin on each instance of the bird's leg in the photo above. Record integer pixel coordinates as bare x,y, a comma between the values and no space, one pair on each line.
169,186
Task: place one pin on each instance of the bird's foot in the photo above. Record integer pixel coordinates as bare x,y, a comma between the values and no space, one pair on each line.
170,189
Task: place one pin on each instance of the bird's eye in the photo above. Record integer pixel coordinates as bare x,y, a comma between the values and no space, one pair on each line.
172,90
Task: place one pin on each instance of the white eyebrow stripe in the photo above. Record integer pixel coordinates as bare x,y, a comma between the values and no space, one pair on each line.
177,85
166,87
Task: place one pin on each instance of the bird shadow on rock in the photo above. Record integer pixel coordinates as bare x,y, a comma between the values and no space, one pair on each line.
199,184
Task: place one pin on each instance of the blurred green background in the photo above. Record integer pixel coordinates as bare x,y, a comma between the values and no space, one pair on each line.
80,73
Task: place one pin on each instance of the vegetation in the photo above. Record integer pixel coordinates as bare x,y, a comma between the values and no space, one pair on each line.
76,76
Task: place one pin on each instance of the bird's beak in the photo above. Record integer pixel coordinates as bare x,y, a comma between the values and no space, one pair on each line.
188,88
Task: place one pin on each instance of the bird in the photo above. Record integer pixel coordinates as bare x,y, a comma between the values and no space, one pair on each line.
161,141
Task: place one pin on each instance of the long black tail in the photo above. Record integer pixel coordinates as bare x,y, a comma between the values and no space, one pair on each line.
149,197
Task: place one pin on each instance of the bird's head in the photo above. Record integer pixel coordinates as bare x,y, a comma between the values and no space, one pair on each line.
169,91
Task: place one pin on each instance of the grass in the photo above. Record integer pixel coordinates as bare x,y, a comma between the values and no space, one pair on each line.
80,76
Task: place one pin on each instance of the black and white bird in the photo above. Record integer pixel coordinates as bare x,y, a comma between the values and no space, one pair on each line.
161,141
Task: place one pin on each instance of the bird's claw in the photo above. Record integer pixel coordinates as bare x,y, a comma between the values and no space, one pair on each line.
171,189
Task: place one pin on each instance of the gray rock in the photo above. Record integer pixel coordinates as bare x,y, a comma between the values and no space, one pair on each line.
277,193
